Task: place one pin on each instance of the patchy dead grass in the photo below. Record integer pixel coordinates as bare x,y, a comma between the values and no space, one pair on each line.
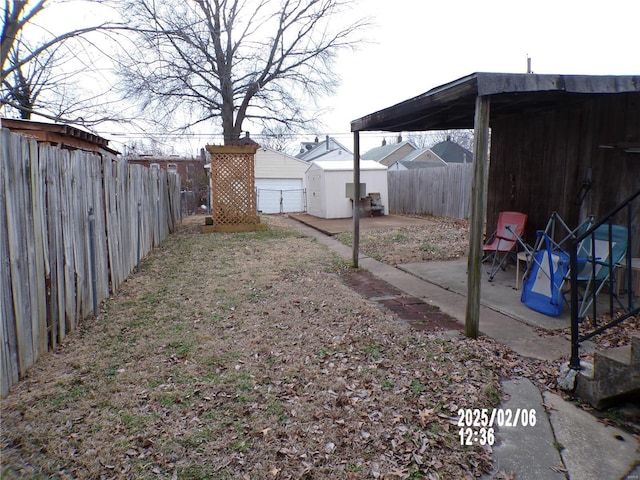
442,239
245,356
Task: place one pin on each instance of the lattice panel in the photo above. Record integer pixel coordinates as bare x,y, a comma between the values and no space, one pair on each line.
233,187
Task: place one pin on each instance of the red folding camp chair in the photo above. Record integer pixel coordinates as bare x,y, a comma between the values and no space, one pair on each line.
504,240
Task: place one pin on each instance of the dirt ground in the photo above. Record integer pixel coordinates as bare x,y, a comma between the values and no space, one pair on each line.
247,356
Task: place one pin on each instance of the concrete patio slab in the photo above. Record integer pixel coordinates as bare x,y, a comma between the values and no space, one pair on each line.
499,295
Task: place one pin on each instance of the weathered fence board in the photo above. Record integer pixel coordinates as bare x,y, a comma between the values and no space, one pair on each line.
46,247
39,254
9,336
441,191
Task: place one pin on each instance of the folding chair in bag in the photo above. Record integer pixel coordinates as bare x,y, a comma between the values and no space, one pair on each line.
503,240
599,255
554,237
542,289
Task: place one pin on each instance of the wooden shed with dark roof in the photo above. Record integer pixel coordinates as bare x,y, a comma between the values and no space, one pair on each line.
66,136
551,136
564,143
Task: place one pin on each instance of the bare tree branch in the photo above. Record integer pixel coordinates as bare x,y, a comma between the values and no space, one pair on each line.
235,60
43,72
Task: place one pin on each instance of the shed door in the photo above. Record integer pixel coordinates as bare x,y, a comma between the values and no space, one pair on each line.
314,195
274,193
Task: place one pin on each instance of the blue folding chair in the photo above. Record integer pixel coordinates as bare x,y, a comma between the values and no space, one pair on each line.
599,255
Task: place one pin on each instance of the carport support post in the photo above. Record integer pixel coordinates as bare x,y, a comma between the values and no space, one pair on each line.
478,212
356,198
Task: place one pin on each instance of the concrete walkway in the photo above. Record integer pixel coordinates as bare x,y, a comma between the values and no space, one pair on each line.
560,445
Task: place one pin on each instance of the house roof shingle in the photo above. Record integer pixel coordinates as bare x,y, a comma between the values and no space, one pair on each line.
382,152
451,152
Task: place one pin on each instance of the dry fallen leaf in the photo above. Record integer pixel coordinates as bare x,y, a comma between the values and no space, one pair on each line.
327,377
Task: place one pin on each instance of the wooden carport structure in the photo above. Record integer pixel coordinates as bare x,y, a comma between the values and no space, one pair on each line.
564,143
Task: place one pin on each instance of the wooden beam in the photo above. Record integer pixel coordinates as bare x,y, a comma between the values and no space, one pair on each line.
356,199
478,212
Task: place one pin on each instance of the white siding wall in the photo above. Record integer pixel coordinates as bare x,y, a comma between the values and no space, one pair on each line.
272,164
338,205
280,181
326,190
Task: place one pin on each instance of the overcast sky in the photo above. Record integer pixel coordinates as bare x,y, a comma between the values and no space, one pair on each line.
416,45
421,44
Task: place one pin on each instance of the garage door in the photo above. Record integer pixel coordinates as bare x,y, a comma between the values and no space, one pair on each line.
277,195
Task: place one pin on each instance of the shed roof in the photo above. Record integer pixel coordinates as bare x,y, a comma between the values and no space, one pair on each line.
345,165
452,105
57,133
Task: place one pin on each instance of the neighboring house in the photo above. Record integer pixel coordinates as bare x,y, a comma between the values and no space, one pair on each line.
581,129
66,136
421,158
329,149
451,152
440,155
389,154
189,168
194,178
279,181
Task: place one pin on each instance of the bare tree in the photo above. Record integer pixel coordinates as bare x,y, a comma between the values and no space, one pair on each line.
464,138
234,60
22,87
422,139
277,137
41,72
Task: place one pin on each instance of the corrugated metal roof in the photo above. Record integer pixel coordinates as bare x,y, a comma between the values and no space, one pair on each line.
452,105
68,135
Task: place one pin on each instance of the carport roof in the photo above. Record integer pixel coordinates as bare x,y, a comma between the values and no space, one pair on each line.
452,105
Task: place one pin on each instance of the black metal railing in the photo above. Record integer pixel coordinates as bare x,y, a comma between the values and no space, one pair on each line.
626,310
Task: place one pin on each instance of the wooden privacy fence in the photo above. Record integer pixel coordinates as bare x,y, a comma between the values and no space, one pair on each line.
73,226
440,191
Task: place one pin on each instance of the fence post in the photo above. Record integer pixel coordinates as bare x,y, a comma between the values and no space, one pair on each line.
92,260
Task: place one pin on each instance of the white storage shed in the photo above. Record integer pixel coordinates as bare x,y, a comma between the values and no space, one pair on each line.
327,186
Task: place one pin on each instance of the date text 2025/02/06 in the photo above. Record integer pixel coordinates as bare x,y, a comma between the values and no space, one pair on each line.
478,425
